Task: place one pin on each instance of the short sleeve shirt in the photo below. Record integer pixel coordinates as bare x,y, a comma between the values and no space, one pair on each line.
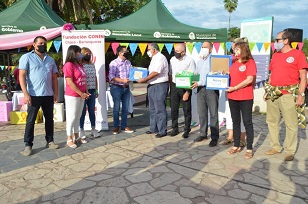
39,73
78,75
159,64
177,66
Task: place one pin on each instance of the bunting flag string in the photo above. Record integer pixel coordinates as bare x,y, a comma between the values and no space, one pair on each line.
198,46
133,47
216,46
294,45
228,46
190,46
161,46
142,47
107,44
57,45
169,47
124,44
114,47
2,67
222,45
49,44
251,45
259,46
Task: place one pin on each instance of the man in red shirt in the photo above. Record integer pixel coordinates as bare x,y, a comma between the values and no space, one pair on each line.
288,76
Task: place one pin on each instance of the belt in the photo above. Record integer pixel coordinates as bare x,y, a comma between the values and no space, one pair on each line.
149,85
122,86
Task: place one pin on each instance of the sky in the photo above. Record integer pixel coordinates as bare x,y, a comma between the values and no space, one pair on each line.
211,13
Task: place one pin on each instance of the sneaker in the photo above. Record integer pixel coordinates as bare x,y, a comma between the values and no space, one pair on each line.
82,133
272,152
116,131
52,145
185,135
128,130
94,133
27,151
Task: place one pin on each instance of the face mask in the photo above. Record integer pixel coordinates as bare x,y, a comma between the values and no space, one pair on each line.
149,53
204,52
126,55
41,48
79,57
87,58
177,55
278,46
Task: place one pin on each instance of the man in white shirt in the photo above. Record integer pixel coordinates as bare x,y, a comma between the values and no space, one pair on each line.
207,99
179,63
157,91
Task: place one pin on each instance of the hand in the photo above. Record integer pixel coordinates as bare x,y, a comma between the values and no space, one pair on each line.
186,96
230,89
55,99
300,100
142,80
85,96
125,81
27,99
195,85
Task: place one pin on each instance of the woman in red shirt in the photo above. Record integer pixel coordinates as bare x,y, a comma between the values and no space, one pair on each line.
240,96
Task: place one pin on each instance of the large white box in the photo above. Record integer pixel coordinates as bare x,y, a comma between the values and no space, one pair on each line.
58,113
217,82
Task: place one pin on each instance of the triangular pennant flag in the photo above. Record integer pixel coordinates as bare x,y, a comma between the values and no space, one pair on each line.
29,47
251,45
49,43
169,47
228,46
142,47
124,44
114,46
190,46
6,67
222,44
300,45
216,46
273,47
161,46
294,45
2,67
57,45
198,46
107,44
266,46
133,47
259,46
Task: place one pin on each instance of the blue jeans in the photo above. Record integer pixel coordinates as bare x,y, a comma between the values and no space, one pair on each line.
91,109
120,94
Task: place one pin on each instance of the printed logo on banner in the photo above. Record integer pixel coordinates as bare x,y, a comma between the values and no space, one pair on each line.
157,34
192,36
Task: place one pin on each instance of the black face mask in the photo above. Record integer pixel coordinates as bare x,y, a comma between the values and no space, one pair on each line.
87,58
41,48
177,55
126,54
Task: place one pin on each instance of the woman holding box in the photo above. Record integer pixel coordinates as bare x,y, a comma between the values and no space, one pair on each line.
240,96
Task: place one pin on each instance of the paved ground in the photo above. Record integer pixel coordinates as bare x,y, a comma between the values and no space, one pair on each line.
139,168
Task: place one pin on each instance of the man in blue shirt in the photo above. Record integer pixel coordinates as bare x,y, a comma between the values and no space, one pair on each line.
207,100
39,83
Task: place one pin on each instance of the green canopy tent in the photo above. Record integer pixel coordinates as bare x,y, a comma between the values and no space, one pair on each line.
153,22
28,15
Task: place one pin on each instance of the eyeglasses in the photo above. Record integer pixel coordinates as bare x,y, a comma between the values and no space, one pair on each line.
277,39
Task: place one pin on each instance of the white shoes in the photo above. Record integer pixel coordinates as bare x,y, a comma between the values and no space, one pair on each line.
94,133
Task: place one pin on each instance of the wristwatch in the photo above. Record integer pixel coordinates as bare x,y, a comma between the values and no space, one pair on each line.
303,94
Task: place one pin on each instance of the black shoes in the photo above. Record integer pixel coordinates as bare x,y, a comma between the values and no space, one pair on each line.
161,135
213,143
149,132
174,133
185,135
200,138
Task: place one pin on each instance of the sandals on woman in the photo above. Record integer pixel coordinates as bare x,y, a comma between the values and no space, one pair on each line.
234,150
70,143
248,154
82,140
226,142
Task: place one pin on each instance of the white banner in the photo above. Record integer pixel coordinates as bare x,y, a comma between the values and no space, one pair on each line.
95,41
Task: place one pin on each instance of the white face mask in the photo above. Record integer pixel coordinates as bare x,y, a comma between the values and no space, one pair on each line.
278,46
149,53
204,52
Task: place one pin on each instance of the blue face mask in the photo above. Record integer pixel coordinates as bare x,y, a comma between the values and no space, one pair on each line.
79,57
278,46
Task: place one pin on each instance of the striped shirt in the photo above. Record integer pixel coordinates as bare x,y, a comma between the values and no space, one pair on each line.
120,69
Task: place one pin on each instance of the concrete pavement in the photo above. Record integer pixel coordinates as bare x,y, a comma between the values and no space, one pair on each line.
139,168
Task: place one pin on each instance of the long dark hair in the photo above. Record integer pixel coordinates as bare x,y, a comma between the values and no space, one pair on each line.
71,54
245,51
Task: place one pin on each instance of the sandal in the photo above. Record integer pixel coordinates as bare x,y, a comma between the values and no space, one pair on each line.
82,140
248,154
70,143
234,150
242,144
226,142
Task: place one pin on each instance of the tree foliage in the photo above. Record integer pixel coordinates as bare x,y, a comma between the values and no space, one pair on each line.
233,33
230,6
305,47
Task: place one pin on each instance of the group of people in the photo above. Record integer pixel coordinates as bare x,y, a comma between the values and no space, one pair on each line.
284,92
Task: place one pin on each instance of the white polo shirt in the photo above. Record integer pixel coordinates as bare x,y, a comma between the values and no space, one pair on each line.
177,66
159,64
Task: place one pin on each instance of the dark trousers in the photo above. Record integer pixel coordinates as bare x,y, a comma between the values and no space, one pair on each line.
207,101
157,96
46,102
244,107
176,98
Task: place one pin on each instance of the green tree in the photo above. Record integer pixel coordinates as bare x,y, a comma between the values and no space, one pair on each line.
233,33
230,6
305,47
